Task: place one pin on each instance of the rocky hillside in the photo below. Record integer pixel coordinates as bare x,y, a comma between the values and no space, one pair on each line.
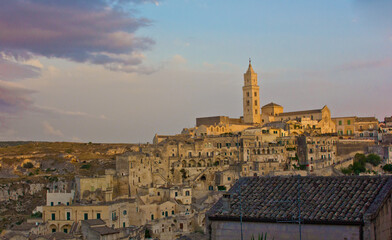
27,169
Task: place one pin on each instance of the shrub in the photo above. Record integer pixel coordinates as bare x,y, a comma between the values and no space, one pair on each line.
147,233
387,167
373,159
346,171
28,165
36,215
86,166
221,188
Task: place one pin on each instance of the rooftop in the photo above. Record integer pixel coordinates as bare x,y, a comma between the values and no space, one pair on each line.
300,112
327,200
94,222
366,119
271,104
105,230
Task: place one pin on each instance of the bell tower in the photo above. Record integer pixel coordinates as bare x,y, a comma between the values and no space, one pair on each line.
251,97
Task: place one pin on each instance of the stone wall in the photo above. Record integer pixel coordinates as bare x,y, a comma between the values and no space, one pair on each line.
345,147
282,231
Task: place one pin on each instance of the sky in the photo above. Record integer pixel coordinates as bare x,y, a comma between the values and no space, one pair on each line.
124,70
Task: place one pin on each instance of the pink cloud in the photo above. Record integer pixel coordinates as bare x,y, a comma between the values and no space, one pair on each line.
365,64
81,31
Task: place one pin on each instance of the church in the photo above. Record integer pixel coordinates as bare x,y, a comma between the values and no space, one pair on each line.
254,116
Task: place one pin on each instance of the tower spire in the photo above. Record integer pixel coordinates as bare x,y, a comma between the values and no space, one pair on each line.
250,69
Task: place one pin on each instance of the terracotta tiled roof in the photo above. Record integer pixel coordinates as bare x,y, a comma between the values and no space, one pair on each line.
105,230
300,112
271,104
328,200
366,119
94,222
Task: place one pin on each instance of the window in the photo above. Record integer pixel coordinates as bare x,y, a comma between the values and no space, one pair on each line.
172,212
98,215
51,203
175,194
125,212
340,122
255,111
163,213
228,178
247,103
255,94
348,122
67,203
58,203
65,230
86,216
256,102
53,229
53,216
152,216
68,216
247,94
159,194
123,224
187,193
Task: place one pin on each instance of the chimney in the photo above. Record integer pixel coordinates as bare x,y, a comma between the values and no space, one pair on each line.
226,206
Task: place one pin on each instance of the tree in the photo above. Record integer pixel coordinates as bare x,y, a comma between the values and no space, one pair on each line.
387,167
373,159
28,165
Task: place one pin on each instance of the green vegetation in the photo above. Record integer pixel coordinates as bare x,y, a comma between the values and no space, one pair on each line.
260,237
359,165
28,165
221,188
86,166
373,159
387,168
147,233
36,215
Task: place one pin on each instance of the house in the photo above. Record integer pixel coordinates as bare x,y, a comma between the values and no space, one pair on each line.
348,207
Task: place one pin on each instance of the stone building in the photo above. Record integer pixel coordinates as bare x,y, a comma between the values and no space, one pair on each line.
317,151
115,214
353,126
355,207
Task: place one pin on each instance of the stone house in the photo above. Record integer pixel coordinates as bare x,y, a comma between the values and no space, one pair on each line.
348,207
116,214
317,151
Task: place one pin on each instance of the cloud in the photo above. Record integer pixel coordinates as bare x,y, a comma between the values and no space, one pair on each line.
93,31
57,111
50,130
14,100
178,59
364,64
12,70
